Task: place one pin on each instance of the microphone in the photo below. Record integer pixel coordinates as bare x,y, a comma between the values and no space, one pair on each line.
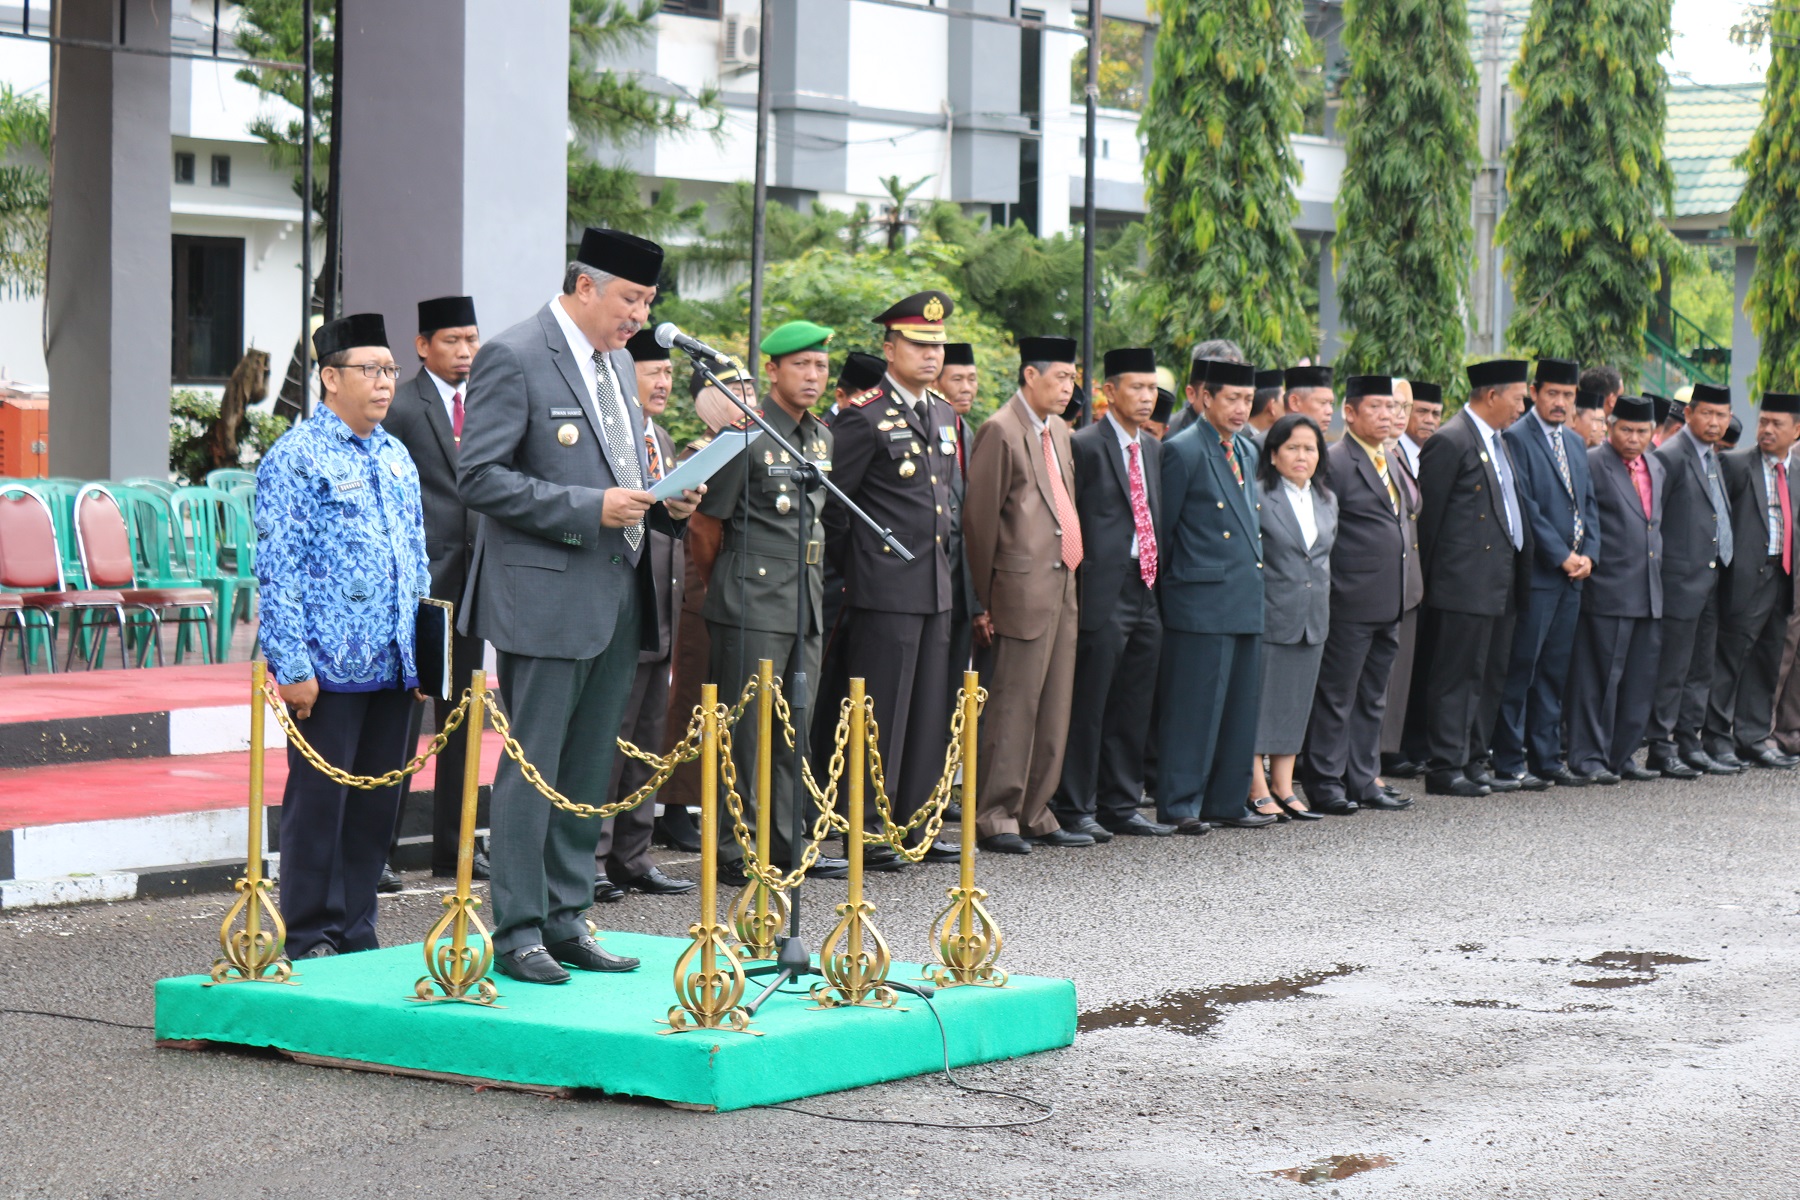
669,336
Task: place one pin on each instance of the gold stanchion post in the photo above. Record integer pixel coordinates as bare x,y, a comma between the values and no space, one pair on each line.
760,910
456,969
709,997
857,974
254,954
965,936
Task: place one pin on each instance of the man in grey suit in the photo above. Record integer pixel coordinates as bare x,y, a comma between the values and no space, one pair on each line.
1118,494
1613,678
1757,593
553,459
427,418
1557,498
1697,544
1341,764
1471,531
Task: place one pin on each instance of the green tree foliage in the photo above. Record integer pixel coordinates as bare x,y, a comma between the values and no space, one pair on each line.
1121,75
1224,259
1404,236
1769,210
24,192
192,415
1586,177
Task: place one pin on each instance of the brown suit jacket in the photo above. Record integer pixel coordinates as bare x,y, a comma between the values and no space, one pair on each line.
1010,531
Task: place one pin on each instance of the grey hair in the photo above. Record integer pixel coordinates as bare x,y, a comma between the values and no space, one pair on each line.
572,277
1219,348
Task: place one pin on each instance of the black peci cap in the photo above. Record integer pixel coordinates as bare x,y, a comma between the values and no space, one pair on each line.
861,372
643,347
1635,408
1588,398
1427,393
346,333
446,312
1137,361
1558,370
1497,372
1306,377
1658,404
959,354
1048,349
1781,402
1218,373
1706,393
1733,431
623,254
1358,386
1165,406
1267,380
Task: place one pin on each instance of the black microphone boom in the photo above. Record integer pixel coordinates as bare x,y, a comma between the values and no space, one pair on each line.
670,337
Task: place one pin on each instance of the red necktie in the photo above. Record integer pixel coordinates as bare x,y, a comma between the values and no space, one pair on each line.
1787,528
1140,517
1640,479
456,415
1065,508
1237,472
961,466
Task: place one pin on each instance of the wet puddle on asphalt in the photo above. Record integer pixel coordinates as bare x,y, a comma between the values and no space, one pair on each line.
1197,1010
1640,965
1338,1166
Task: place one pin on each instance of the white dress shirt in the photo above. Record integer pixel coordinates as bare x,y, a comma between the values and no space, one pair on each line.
1301,500
448,392
1409,450
1510,509
1126,441
583,350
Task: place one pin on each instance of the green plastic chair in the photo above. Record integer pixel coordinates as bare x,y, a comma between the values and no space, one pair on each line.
226,478
213,520
150,483
162,558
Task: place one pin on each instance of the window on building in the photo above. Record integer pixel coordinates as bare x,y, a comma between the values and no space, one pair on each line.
692,8
221,170
184,166
208,307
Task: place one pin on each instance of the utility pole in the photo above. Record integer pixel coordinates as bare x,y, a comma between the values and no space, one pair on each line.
1487,336
1087,202
759,218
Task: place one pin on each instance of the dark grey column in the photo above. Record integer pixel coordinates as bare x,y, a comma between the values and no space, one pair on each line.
809,86
1331,339
984,84
1746,346
454,160
107,298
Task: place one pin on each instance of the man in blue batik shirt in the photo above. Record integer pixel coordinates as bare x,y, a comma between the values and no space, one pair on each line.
340,557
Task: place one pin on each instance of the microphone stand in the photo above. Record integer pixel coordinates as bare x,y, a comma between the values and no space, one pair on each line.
793,960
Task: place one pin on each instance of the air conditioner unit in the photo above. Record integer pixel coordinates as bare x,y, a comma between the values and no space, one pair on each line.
740,41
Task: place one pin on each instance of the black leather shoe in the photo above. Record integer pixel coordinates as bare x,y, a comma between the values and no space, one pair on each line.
1192,826
606,891
953,813
942,852
1250,820
1443,783
1089,826
1389,790
322,950
530,964
1706,764
1065,837
654,883
882,858
1763,756
1636,773
1496,783
1336,808
1725,758
1528,782
826,867
1399,767
1563,777
1673,768
732,873
1384,801
390,881
481,868
1005,843
584,954
1603,778
1137,826
676,837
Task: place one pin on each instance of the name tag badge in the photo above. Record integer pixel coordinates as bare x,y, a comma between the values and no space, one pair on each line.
349,485
563,414
900,435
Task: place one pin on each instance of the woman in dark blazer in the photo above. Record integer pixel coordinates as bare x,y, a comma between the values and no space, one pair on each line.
1299,525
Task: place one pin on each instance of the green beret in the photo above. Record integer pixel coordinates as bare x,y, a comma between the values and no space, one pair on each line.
794,337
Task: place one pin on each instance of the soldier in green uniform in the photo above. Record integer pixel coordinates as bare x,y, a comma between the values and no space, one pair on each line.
761,569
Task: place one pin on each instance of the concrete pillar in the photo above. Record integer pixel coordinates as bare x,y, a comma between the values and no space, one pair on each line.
454,158
984,94
1331,325
1746,347
809,94
107,298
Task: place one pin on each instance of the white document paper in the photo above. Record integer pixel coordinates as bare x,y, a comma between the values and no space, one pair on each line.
725,446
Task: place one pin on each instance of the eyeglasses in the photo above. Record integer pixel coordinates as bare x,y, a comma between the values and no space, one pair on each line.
372,370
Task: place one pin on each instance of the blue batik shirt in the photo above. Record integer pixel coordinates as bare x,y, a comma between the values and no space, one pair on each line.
340,555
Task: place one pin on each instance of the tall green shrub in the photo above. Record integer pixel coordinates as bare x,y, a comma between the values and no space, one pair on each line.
1586,177
1219,178
1404,235
1769,210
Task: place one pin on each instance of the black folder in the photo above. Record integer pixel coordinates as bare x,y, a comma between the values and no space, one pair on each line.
431,646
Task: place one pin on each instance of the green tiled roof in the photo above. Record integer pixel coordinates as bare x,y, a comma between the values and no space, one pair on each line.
1709,127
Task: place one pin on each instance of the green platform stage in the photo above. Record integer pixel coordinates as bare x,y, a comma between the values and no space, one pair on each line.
601,1031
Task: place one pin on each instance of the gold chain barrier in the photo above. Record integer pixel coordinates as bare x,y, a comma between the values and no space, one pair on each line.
254,954
965,935
709,980
459,973
761,908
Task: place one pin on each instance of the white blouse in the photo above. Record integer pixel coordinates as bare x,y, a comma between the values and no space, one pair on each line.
1301,499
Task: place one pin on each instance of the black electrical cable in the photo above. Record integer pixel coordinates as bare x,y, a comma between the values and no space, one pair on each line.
1049,1110
39,1012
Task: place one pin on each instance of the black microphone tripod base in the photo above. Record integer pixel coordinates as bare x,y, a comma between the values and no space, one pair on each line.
792,961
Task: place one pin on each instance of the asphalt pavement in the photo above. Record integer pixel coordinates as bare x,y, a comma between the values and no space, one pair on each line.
1581,993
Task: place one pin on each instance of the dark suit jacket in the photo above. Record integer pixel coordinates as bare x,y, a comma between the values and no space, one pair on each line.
668,570
962,583
1690,554
547,577
1415,565
1546,504
1368,565
1211,566
417,417
1743,478
1296,579
1628,581
1103,498
1470,565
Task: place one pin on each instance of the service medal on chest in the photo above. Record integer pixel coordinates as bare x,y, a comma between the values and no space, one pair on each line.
908,468
568,435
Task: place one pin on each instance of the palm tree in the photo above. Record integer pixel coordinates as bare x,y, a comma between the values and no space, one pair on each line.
24,193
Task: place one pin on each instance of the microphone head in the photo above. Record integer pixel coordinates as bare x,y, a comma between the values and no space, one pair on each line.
666,333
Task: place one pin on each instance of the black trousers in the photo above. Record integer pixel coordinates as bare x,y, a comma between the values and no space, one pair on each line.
1740,713
623,851
1210,691
1342,755
903,659
1528,733
1464,681
1684,673
447,784
1109,724
1612,685
334,839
